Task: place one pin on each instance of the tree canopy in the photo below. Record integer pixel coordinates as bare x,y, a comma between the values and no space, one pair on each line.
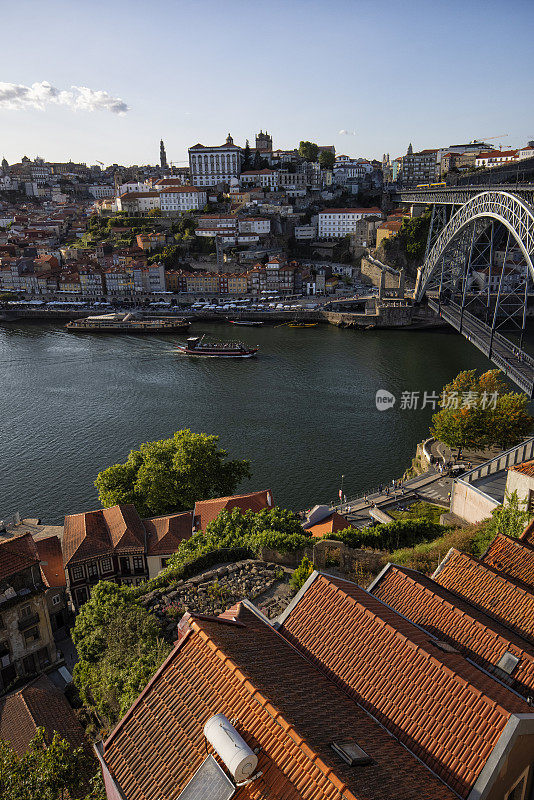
478,412
119,648
48,770
326,159
172,474
308,151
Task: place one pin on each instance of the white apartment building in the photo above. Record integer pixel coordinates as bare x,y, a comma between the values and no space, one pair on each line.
259,225
494,158
134,186
209,166
305,233
138,202
101,190
334,223
216,225
177,199
266,178
149,279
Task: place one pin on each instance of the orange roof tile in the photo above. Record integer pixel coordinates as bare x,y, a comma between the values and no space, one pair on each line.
424,696
513,557
335,522
526,468
96,533
500,596
17,554
444,614
39,703
528,534
165,534
238,665
49,550
208,510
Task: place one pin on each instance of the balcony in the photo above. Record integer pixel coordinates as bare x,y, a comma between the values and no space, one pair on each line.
28,622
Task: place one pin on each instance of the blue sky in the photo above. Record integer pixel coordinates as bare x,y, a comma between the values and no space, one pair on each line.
390,73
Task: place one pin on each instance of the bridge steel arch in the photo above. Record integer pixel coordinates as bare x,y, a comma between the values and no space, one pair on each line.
509,209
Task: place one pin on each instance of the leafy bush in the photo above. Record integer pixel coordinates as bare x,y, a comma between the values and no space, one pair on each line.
302,573
400,533
119,648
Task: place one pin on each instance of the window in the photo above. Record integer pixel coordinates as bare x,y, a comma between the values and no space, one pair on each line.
56,600
139,563
106,565
32,635
25,612
92,570
77,573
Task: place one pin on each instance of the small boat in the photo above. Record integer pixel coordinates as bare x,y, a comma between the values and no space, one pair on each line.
195,346
126,323
302,325
250,323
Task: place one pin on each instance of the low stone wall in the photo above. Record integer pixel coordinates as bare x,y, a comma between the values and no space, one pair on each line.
213,591
360,565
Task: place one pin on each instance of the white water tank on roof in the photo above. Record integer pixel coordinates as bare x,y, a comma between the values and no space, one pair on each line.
240,760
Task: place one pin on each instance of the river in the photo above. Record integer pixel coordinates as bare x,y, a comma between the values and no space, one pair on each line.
303,412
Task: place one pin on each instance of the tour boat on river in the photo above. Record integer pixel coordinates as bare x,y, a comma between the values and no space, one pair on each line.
127,323
195,346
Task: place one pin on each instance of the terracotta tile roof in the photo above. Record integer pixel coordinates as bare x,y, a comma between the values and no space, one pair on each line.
39,703
455,620
425,697
165,534
17,554
513,557
528,534
526,468
49,550
335,522
207,510
96,533
500,596
241,667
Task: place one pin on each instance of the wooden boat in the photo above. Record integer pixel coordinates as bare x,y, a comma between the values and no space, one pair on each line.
250,323
302,325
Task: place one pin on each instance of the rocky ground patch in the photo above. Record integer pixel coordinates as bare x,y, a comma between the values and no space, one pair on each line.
265,584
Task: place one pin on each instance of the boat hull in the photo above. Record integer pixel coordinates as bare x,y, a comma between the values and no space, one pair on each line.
200,353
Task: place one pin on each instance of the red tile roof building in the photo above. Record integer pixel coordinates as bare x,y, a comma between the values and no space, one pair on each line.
500,596
208,510
39,704
455,620
513,557
447,712
240,666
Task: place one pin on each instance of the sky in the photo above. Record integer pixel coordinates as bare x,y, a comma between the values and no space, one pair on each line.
105,81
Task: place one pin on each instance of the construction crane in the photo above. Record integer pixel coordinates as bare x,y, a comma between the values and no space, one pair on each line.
99,162
490,138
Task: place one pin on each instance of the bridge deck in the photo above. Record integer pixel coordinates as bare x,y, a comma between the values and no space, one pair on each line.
458,195
517,365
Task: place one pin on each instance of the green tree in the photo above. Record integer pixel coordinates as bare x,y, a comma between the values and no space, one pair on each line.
479,412
509,519
246,157
48,770
172,474
326,159
119,648
155,212
308,151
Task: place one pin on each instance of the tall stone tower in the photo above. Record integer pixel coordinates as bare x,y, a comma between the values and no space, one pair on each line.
264,142
162,156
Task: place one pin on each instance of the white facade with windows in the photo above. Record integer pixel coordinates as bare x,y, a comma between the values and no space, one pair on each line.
210,166
334,223
178,199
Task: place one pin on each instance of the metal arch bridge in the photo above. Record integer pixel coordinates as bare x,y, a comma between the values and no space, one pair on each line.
467,276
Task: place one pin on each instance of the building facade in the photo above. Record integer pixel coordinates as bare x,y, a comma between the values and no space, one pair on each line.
334,223
210,166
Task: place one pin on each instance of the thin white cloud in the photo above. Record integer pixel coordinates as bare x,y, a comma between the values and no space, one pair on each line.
344,132
17,97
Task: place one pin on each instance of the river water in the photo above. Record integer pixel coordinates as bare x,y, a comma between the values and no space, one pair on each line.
303,412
